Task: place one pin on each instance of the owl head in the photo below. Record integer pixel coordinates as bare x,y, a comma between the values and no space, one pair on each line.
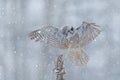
68,30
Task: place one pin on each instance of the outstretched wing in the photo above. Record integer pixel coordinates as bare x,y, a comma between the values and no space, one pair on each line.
49,35
87,33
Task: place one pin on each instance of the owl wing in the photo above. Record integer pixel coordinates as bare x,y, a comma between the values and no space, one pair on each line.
49,35
87,33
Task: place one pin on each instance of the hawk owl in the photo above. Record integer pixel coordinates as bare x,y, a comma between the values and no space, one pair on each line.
70,38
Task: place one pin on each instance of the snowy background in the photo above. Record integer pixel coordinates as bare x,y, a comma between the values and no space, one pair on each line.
23,59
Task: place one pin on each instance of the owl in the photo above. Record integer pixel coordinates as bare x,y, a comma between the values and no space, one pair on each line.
72,39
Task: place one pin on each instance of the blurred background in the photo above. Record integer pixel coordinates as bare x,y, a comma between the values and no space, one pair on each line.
23,59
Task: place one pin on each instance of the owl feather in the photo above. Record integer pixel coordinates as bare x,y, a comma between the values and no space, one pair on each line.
75,42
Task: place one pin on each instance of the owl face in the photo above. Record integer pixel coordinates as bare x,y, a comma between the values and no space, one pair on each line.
68,31
71,30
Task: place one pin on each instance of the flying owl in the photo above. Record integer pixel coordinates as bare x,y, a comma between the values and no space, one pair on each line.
72,39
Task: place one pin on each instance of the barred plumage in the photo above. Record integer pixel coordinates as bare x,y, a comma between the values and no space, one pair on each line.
88,32
69,38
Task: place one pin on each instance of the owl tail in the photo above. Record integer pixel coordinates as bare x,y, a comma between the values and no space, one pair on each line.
77,56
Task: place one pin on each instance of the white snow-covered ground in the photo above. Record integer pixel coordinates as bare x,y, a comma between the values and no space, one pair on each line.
23,59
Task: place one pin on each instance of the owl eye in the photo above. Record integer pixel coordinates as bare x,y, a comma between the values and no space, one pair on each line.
72,29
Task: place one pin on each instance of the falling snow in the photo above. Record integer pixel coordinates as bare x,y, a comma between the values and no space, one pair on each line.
22,59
